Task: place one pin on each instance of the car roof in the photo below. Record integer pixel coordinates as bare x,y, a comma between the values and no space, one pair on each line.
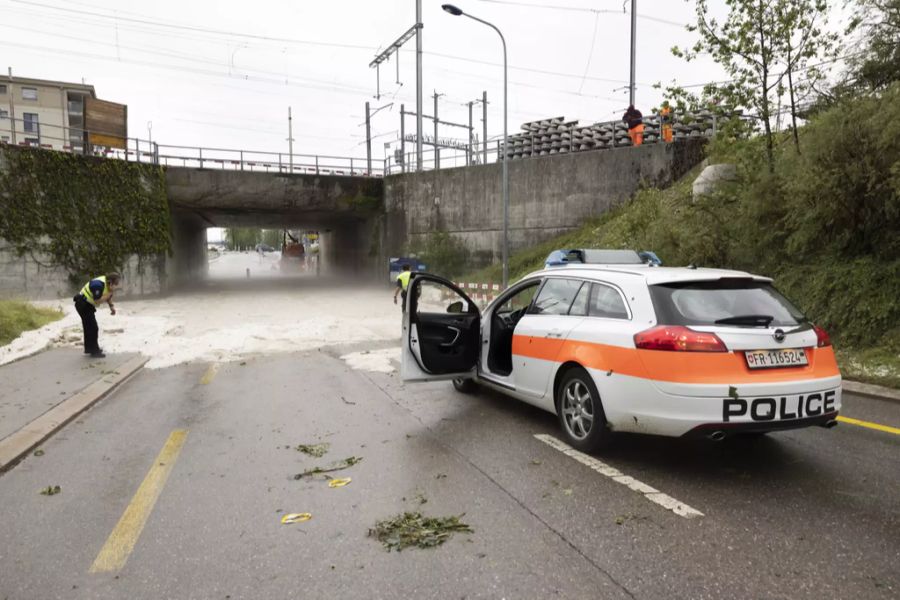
652,275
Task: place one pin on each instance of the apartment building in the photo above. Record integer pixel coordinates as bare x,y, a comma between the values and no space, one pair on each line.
38,112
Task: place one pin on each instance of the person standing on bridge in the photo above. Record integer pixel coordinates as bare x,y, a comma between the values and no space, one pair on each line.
403,285
97,290
665,122
635,121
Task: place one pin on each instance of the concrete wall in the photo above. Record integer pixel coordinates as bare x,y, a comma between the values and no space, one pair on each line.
25,277
548,195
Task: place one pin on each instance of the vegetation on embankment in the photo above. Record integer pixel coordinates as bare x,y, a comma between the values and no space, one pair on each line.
86,214
825,225
16,317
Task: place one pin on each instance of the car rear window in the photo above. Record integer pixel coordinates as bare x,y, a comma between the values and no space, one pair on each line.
706,302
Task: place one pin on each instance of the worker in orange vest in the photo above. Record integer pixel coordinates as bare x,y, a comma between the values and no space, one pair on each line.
635,121
665,120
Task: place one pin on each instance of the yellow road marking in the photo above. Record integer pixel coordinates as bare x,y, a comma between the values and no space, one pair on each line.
885,428
210,373
121,541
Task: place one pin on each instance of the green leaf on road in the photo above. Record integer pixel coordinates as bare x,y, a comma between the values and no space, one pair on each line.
51,490
317,450
413,529
337,466
38,452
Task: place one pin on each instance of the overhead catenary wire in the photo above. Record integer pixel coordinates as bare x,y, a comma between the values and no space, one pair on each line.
194,28
585,9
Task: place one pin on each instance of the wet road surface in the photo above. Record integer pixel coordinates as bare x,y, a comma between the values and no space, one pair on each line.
805,514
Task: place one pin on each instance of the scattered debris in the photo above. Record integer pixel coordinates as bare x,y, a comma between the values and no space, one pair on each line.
345,401
337,466
243,363
291,518
336,483
38,452
420,497
622,519
440,476
536,461
412,529
317,450
51,490
567,492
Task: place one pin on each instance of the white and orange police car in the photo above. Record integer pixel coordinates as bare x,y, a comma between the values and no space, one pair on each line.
616,344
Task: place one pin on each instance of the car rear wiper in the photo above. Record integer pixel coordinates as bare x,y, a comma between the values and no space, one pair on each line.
757,320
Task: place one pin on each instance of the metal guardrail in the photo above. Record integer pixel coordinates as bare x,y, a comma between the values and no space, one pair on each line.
539,138
71,139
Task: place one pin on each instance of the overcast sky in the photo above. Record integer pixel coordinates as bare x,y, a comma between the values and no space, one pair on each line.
222,74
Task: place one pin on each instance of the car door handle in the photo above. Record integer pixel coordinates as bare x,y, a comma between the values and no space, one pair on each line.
554,334
453,341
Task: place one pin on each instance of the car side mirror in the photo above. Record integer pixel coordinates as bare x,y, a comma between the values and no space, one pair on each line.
456,307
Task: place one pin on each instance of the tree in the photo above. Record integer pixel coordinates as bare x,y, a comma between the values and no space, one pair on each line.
802,39
875,64
746,47
760,42
237,238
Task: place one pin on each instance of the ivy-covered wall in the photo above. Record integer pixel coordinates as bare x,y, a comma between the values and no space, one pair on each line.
84,215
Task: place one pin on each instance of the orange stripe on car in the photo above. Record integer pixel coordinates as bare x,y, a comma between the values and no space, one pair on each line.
676,367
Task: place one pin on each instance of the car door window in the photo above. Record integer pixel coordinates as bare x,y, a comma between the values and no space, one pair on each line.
519,300
555,297
434,298
580,304
606,302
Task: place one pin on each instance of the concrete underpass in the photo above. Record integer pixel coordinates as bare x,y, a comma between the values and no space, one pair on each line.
344,210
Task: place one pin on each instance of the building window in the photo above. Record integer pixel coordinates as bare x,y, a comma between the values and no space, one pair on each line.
4,113
32,142
29,93
31,122
4,138
2,89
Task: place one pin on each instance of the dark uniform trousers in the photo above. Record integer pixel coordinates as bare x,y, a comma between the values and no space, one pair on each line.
87,312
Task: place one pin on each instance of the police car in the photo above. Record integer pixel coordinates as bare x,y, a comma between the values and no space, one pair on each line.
631,347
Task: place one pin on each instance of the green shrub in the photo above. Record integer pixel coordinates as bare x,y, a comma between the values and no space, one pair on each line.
445,254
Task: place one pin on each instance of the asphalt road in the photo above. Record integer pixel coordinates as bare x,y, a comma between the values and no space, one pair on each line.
805,514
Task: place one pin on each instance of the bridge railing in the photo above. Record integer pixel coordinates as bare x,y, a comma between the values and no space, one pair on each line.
48,136
558,136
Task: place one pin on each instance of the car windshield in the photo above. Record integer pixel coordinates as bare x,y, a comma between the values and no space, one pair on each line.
724,302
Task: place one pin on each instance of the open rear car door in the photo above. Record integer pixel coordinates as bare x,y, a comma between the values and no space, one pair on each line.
441,331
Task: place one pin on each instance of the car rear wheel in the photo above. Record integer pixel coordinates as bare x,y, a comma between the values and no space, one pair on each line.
465,385
580,412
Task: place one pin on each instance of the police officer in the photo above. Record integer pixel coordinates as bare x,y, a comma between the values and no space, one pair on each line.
402,285
97,290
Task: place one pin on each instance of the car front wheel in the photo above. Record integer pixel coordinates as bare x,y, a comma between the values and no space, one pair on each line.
581,412
465,385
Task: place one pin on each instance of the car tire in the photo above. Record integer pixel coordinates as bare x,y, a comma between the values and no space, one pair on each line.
580,412
465,385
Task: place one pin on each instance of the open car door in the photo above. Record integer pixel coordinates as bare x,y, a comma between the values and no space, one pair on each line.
441,331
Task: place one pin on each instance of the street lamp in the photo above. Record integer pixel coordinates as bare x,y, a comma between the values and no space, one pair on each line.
453,10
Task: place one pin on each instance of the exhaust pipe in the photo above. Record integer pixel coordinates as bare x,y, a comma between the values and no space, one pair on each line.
830,423
716,436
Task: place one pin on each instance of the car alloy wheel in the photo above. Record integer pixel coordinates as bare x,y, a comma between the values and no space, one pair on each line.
578,409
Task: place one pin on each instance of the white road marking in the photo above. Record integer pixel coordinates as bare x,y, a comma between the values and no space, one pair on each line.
652,494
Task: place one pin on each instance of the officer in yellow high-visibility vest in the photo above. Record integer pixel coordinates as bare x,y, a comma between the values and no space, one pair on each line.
402,285
97,290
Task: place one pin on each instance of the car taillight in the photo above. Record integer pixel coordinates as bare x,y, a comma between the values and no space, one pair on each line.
822,338
678,339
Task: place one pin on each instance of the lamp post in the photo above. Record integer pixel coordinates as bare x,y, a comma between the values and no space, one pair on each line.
453,10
